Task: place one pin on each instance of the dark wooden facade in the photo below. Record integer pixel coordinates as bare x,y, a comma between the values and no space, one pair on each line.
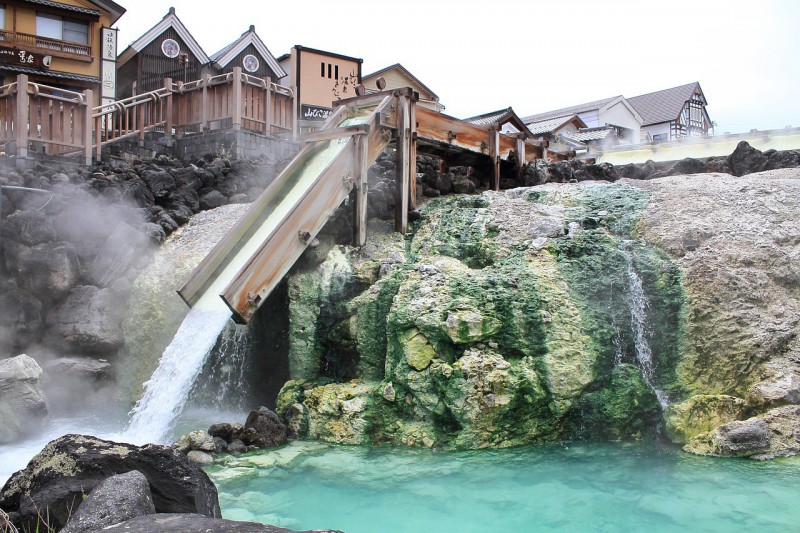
150,67
263,70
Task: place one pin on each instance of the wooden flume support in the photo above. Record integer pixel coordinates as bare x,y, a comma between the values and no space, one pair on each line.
289,214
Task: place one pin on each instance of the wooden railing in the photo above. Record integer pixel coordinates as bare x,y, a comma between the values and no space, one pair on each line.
61,121
50,120
45,43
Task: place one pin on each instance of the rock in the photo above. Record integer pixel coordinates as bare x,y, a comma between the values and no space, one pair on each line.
264,429
418,352
201,440
296,419
47,270
81,368
701,414
199,457
160,182
69,466
22,404
240,198
746,160
191,523
89,320
462,185
117,499
30,227
116,256
223,431
465,326
213,200
236,446
688,166
20,319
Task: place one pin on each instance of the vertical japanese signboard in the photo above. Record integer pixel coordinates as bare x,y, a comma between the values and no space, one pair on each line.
108,65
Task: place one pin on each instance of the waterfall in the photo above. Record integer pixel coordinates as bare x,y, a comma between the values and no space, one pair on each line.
638,305
153,416
223,383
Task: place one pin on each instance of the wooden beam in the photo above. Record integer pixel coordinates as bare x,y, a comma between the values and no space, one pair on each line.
412,155
335,133
361,169
88,99
237,98
520,155
403,165
168,112
494,153
268,96
23,104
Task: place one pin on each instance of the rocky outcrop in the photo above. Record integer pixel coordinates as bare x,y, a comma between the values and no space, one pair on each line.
117,499
193,523
508,319
263,429
69,467
22,404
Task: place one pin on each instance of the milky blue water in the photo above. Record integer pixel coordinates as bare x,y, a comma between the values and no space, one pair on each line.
579,487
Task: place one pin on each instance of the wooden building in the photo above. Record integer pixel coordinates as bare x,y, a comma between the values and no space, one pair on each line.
396,77
251,54
318,79
167,50
67,44
675,113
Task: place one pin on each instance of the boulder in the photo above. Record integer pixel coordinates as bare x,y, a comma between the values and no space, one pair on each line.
160,182
89,321
81,368
700,414
223,431
190,523
688,166
212,200
117,254
22,404
746,160
48,270
30,227
117,499
20,318
57,478
199,457
264,429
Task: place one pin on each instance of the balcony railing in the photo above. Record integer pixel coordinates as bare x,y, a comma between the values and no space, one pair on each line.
45,43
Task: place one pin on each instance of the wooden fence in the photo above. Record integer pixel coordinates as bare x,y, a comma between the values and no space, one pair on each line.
63,122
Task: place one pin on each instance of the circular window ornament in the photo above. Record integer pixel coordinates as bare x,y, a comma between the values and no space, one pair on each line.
170,48
250,63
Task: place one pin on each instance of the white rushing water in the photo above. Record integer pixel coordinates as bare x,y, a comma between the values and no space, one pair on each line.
638,307
153,416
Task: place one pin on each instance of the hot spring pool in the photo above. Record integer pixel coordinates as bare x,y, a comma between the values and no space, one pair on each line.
578,487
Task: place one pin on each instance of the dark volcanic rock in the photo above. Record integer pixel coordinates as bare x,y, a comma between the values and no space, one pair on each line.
72,465
743,438
47,270
688,166
223,431
118,498
264,429
30,227
745,160
192,523
20,318
88,320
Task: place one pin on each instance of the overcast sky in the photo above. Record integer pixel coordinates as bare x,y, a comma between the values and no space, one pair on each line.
534,55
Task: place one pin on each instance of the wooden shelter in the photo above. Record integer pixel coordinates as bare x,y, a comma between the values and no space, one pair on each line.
167,50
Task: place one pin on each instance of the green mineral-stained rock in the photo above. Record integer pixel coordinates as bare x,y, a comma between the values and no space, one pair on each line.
416,349
701,414
339,412
624,408
466,326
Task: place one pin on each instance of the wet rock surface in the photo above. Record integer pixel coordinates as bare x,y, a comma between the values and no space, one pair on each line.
22,403
192,523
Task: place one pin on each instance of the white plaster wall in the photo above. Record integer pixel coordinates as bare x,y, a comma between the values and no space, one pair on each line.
657,129
590,119
619,115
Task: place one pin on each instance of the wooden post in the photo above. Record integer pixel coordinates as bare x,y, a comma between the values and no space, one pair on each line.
237,98
98,128
268,104
412,154
295,129
204,104
168,112
403,166
88,101
140,123
362,167
520,154
494,153
22,118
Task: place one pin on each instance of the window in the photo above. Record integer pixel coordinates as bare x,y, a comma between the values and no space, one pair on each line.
322,69
660,137
2,16
62,29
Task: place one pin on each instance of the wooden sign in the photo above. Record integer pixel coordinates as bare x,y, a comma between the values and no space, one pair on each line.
314,112
24,58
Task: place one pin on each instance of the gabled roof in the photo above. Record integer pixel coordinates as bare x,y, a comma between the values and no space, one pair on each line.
227,54
665,105
170,20
593,134
506,118
403,70
553,124
572,110
114,9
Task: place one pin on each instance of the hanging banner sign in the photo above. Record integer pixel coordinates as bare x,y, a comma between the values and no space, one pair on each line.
314,112
108,63
24,58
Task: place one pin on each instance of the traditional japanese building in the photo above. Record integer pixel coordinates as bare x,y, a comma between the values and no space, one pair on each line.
251,54
167,50
318,79
674,113
68,44
396,77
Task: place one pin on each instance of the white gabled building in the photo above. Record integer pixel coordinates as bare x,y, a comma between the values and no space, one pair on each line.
674,113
